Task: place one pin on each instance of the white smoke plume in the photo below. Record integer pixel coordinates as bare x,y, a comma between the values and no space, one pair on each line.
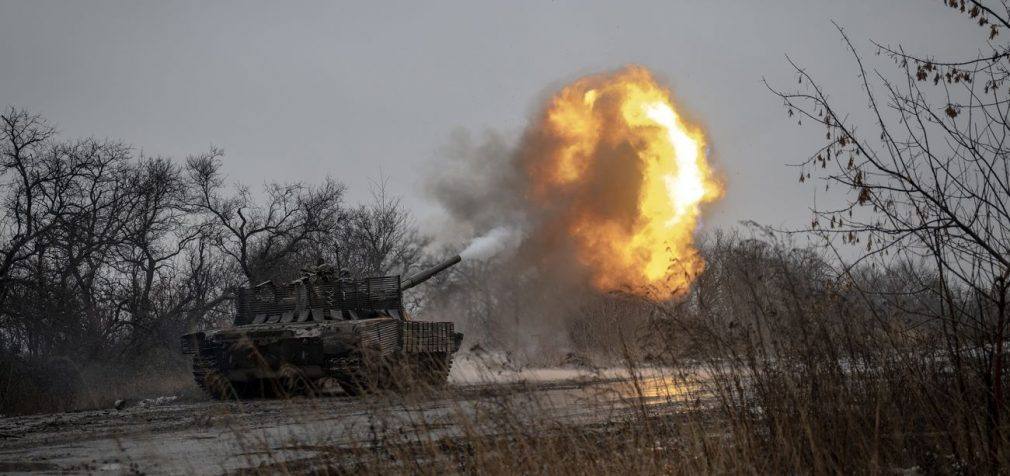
493,242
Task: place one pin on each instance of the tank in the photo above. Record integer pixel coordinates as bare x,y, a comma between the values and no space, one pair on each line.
298,337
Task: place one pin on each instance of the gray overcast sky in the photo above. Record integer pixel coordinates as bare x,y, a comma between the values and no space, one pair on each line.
299,90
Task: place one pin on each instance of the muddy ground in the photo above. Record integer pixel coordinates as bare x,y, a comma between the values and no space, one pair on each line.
196,436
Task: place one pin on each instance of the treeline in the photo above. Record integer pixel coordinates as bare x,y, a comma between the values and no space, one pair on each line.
107,255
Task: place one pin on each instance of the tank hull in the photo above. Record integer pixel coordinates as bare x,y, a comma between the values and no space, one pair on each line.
268,360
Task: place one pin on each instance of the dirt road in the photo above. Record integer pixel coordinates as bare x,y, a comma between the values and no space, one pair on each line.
169,436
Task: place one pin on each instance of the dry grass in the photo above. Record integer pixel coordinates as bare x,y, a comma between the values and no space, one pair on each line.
67,383
775,417
782,367
804,372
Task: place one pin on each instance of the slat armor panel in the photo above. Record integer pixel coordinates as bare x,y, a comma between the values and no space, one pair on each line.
382,335
381,293
419,336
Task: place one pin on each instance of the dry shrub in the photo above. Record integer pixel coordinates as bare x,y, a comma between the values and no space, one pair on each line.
66,383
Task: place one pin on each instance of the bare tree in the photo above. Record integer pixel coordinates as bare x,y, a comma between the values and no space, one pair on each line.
106,257
260,237
25,138
380,237
928,179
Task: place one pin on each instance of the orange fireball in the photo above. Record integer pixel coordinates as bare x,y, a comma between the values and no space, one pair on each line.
624,175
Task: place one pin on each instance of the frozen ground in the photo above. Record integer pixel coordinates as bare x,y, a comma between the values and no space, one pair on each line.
169,435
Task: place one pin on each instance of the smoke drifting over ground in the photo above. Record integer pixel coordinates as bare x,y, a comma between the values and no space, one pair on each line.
601,194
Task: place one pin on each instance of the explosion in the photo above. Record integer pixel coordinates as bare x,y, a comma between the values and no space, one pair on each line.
621,176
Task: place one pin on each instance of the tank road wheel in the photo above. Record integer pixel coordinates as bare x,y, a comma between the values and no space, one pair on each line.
349,373
208,377
352,384
293,382
257,388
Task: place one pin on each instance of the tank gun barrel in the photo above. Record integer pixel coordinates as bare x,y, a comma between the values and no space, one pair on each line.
427,274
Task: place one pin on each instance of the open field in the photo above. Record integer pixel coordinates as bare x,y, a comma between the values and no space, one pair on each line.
334,432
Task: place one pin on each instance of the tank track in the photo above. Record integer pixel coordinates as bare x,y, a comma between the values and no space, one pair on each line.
206,374
208,377
356,377
353,374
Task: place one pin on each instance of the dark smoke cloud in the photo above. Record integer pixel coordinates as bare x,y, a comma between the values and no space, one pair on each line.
505,300
532,296
477,183
482,186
